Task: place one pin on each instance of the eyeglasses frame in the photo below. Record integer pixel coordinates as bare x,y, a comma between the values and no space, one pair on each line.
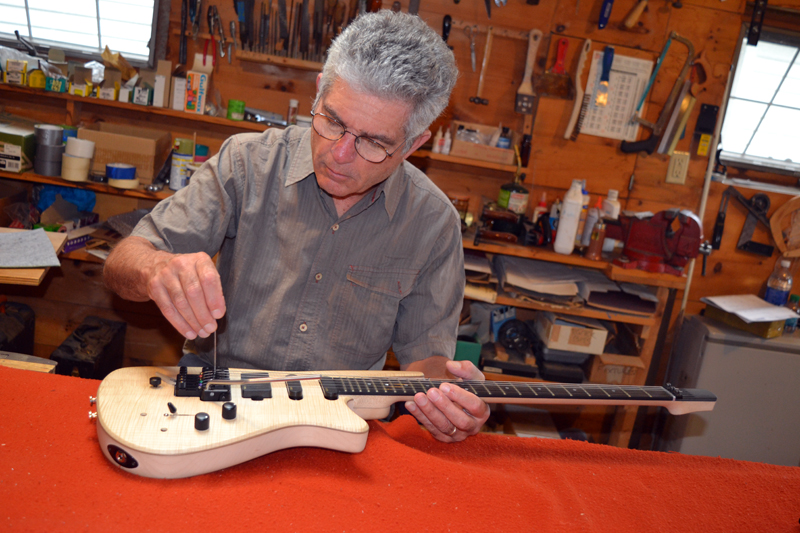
366,138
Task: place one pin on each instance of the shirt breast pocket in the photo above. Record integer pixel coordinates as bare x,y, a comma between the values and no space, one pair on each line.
367,311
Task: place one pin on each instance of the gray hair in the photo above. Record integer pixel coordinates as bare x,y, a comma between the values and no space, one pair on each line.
394,56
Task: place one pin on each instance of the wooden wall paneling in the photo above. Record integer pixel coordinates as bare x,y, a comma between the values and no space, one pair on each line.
647,35
735,6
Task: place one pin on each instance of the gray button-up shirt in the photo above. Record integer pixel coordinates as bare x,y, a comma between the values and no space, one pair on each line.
304,288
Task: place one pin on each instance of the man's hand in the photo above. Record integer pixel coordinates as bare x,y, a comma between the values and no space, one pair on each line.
186,287
188,291
449,412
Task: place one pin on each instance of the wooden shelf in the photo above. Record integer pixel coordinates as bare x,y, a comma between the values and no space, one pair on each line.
464,161
587,312
161,111
280,61
103,188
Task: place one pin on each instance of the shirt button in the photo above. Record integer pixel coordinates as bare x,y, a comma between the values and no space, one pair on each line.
303,327
318,277
335,227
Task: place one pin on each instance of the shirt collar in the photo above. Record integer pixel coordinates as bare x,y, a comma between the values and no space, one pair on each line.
302,166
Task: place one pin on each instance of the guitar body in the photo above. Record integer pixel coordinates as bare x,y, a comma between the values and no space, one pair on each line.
133,418
179,422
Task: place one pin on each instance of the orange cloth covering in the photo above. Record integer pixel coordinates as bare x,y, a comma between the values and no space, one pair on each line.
53,477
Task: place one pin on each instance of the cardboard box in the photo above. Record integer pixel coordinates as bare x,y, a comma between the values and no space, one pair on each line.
177,99
571,333
482,152
109,88
767,330
145,148
16,72
17,144
197,84
617,369
162,83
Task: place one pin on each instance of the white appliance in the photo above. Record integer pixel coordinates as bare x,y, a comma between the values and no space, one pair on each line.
757,383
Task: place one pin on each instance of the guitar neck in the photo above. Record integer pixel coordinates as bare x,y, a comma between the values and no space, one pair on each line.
677,401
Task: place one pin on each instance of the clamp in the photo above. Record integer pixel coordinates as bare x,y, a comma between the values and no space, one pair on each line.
211,17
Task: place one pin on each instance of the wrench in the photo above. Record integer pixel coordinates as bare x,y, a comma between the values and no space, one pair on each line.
470,31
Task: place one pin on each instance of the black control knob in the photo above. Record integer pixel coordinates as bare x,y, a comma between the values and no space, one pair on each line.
155,381
228,410
201,421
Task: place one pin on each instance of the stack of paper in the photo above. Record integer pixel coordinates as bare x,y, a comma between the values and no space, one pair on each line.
750,308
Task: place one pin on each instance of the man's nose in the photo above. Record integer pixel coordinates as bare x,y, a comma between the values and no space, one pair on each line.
344,150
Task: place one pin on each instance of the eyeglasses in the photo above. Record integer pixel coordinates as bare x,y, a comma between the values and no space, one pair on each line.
333,130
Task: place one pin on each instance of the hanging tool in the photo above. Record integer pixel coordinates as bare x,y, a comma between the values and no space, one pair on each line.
470,32
210,39
447,24
649,145
487,51
233,35
263,24
757,207
283,25
601,98
526,97
196,15
719,224
579,96
222,41
756,22
413,7
556,82
319,16
633,17
304,27
488,8
239,7
182,49
653,75
605,13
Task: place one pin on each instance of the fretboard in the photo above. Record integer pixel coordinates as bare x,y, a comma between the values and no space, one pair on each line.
513,391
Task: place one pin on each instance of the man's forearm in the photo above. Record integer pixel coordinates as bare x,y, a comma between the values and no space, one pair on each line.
130,266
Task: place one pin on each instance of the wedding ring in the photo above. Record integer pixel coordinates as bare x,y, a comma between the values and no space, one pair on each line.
452,432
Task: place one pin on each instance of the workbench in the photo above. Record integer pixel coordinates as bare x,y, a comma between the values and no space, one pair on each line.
53,477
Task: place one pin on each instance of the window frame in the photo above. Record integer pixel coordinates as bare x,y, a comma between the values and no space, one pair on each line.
730,159
79,53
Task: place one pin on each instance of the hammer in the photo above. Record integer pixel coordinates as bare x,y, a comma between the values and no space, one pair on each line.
487,50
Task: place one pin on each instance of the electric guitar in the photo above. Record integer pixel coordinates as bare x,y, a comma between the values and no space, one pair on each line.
179,422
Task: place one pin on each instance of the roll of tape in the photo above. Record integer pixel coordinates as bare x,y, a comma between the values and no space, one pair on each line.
48,152
75,168
123,184
80,148
120,171
49,134
47,168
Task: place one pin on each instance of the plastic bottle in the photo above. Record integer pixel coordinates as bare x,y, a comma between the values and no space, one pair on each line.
611,209
540,209
779,283
568,220
437,139
555,210
584,213
794,305
447,144
591,220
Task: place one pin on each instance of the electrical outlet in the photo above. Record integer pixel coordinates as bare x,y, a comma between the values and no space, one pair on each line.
678,167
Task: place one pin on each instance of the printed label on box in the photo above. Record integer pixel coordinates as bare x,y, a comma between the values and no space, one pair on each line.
580,337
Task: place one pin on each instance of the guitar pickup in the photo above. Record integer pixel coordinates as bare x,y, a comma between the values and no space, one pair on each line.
256,391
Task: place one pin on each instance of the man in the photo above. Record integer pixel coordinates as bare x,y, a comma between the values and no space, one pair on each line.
332,248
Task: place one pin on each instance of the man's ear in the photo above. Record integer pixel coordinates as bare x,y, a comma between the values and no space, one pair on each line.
419,141
319,77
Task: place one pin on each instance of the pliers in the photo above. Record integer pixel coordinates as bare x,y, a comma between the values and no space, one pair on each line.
210,16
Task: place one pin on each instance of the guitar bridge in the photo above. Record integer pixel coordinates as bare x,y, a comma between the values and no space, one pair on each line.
195,385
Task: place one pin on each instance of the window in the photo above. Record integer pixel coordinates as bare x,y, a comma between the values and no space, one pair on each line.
84,26
760,130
